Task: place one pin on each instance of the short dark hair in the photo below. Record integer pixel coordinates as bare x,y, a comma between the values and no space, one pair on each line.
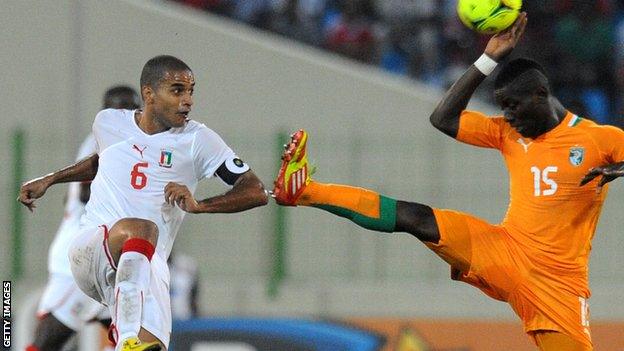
514,68
121,96
156,67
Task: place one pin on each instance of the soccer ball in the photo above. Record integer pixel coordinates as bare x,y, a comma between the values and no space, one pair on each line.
488,16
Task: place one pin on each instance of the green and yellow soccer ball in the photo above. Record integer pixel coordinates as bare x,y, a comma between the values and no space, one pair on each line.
488,16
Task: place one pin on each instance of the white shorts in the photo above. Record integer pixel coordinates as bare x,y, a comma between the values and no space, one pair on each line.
63,299
94,270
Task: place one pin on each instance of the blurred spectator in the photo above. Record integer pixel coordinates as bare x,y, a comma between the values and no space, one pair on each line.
299,19
351,33
618,69
255,12
394,57
415,31
397,11
584,35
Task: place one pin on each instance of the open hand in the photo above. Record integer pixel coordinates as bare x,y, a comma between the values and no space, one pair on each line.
179,194
32,190
608,173
501,44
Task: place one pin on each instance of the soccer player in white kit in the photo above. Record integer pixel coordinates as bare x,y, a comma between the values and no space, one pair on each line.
63,308
147,166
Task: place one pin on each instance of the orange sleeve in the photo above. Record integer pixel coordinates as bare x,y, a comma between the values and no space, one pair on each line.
616,150
475,128
610,140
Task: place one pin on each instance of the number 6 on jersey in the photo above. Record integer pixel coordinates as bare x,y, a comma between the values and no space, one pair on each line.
138,179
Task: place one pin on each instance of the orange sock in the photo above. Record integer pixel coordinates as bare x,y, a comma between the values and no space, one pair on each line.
362,201
364,207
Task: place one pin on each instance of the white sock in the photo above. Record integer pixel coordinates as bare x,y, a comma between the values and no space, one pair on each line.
131,284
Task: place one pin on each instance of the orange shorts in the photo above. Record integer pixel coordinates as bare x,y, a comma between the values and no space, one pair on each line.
485,256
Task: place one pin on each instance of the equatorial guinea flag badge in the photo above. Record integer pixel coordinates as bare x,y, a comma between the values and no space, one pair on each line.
165,158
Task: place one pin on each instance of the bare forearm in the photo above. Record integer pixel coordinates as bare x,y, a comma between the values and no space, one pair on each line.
83,170
247,193
445,117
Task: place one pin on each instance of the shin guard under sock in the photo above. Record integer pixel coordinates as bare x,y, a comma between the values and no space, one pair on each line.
131,284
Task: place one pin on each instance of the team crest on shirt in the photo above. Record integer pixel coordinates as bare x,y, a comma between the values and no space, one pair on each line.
166,157
576,155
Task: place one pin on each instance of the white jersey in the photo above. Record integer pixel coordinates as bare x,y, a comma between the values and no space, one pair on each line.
135,167
58,261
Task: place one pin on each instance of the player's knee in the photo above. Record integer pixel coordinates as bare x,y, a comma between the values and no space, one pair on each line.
418,220
136,228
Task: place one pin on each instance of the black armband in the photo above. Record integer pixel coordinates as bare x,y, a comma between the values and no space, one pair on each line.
231,169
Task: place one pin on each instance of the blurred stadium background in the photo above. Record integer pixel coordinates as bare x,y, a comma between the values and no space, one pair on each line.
284,272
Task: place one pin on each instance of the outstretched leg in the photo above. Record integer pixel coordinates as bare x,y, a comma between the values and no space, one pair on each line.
366,208
131,243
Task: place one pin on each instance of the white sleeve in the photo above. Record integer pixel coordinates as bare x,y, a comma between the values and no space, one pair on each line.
106,128
209,152
96,130
87,147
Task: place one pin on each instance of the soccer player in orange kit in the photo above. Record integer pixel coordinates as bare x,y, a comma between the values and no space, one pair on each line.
537,258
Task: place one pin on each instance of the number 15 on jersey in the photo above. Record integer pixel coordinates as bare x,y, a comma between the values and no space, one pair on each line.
540,176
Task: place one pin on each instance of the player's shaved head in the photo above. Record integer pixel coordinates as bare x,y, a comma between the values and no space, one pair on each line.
524,72
525,84
156,68
121,97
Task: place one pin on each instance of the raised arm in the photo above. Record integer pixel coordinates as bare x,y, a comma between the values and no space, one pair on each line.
248,192
83,170
446,115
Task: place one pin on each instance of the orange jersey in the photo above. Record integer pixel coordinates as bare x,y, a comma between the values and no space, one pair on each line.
550,217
